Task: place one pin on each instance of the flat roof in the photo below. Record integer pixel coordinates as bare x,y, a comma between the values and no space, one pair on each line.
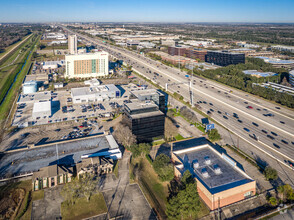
42,106
146,92
230,175
140,105
69,152
101,89
34,97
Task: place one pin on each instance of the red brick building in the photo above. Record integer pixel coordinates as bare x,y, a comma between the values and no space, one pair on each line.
220,182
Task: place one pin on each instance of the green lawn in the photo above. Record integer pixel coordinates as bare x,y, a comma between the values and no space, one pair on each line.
159,142
179,137
83,209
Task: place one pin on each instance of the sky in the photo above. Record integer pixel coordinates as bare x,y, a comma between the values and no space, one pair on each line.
276,11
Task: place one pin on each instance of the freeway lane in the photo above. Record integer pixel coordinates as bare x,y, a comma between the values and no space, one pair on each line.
209,95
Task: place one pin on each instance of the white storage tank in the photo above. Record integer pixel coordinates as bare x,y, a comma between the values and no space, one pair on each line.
30,87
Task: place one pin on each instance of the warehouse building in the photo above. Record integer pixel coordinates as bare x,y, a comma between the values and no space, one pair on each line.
145,120
42,109
29,87
220,182
94,94
87,65
224,58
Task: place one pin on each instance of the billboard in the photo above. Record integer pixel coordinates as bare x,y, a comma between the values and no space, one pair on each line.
209,127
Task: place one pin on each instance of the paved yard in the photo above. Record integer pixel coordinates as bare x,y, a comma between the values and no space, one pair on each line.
49,207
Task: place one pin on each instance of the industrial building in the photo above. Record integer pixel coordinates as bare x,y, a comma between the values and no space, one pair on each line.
291,77
52,64
42,109
224,58
220,182
29,87
151,95
34,97
94,94
72,44
87,65
145,120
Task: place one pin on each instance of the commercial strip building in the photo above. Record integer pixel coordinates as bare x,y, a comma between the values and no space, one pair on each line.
220,182
94,94
145,120
252,53
224,58
259,74
87,65
284,48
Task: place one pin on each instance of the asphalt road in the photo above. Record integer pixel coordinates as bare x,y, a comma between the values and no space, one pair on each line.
275,133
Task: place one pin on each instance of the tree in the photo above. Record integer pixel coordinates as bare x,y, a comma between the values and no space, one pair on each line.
273,201
124,135
270,173
170,130
185,205
213,135
163,167
71,190
88,185
285,192
141,149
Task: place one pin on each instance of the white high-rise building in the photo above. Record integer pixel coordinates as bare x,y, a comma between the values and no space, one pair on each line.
86,65
72,44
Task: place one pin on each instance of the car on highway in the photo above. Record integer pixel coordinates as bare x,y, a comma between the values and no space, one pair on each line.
225,117
282,122
219,112
285,142
277,146
227,114
246,129
274,133
264,131
210,104
271,137
249,107
255,124
240,121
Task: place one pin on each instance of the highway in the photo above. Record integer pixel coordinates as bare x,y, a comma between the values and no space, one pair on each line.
274,133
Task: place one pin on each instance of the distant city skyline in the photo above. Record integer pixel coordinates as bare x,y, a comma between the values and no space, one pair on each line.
259,11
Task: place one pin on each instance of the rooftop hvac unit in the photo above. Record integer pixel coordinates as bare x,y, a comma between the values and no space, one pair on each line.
204,173
207,160
195,164
217,169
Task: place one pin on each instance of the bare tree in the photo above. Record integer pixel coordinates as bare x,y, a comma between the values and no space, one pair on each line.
124,135
70,191
88,185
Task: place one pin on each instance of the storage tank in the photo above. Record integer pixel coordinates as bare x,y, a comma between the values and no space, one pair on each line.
30,87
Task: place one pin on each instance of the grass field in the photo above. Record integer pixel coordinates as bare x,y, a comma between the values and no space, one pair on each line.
8,102
83,209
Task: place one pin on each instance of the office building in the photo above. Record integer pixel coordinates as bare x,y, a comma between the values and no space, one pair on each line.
144,119
196,53
224,58
72,44
150,95
291,78
220,182
94,94
177,50
87,65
